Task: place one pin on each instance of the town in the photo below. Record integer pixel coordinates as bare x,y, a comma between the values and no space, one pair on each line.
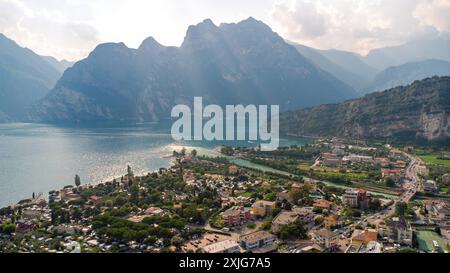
329,196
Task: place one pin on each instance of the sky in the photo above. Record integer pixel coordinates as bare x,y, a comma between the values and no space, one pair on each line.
70,29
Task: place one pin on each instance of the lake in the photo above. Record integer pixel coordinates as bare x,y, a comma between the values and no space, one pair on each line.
40,157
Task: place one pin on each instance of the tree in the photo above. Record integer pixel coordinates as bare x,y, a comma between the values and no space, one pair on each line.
293,231
8,228
390,182
176,241
401,208
77,180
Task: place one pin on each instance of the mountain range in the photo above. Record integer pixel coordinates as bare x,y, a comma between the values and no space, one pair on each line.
243,63
415,112
399,65
25,78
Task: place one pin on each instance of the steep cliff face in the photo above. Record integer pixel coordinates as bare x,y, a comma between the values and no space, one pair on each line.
418,111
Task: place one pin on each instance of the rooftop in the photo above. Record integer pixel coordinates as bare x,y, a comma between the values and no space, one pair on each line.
221,246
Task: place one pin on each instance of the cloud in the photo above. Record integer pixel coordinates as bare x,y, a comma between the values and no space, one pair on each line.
305,20
59,28
360,26
434,13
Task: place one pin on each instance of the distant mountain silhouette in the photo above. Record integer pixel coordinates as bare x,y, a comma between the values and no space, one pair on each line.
347,67
413,51
25,78
408,73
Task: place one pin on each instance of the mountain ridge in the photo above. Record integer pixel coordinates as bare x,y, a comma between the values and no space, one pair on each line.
241,63
418,111
25,78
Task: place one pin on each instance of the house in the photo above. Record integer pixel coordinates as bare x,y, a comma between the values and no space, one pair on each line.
70,196
236,216
331,160
408,149
355,198
330,221
228,246
296,186
438,212
95,200
364,236
284,196
446,178
24,227
339,151
233,169
282,219
153,211
382,162
310,249
324,237
385,173
323,204
262,208
358,158
370,248
430,186
66,230
256,240
305,215
399,231
31,214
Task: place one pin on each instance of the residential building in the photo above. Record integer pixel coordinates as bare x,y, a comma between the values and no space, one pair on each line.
284,196
262,208
331,160
385,173
154,211
236,216
95,200
256,240
330,221
357,158
438,212
398,230
233,169
355,198
284,218
430,186
382,162
323,204
228,246
370,248
24,227
324,237
446,178
305,215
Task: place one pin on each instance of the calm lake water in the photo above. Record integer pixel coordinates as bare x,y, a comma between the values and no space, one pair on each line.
38,158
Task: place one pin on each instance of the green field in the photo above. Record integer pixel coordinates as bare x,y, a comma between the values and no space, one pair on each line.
433,160
425,240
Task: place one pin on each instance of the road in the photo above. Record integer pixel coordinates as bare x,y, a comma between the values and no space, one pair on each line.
411,186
